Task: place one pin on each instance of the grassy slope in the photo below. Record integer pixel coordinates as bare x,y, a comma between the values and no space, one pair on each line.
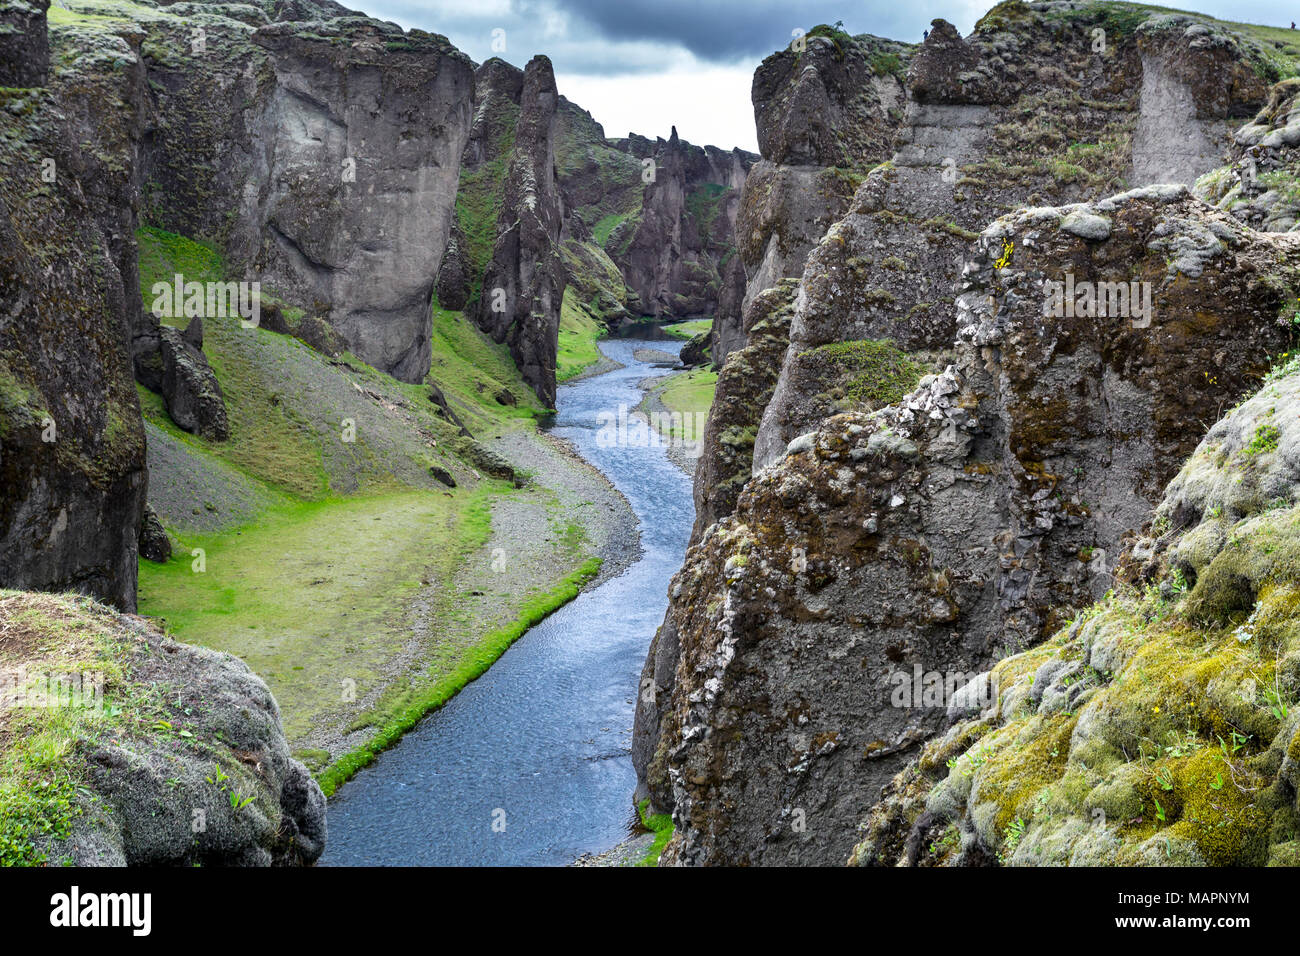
318,588
691,394
688,329
579,331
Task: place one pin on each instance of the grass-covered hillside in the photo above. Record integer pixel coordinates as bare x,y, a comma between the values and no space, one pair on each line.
317,543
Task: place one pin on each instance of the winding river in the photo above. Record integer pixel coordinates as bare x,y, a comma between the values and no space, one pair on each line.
530,764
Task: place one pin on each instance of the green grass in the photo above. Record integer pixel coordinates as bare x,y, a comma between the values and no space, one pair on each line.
688,329
661,824
690,396
42,771
579,330
321,587
475,661
872,372
690,392
607,224
311,593
473,368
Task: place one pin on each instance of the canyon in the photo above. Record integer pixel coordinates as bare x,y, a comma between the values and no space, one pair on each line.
912,463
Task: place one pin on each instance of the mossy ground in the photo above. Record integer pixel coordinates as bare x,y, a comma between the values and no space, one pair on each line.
577,350
687,396
688,329
41,771
661,824
867,371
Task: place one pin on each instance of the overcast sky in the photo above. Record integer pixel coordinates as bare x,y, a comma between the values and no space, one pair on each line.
645,65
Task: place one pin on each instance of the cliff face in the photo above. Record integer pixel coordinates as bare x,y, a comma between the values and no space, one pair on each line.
1023,112
965,518
827,109
340,156
71,439
1154,729
523,286
981,508
663,211
674,253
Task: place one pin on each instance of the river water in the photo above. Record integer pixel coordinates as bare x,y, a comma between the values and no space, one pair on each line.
530,764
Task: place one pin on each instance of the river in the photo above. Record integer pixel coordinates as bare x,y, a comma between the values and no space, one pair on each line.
531,764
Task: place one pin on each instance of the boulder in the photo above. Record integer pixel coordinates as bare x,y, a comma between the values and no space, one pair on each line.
154,544
190,388
209,782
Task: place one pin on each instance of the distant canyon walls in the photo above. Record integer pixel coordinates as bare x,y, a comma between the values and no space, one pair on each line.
360,173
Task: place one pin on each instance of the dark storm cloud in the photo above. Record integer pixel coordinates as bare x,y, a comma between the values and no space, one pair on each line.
724,30
620,37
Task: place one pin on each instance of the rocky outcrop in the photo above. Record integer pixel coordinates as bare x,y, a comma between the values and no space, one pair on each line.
154,543
671,250
663,211
1259,184
696,351
1155,729
827,109
71,440
206,779
993,122
826,99
972,515
341,162
523,285
189,386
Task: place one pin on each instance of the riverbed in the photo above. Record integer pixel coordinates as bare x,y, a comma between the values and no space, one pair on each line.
531,763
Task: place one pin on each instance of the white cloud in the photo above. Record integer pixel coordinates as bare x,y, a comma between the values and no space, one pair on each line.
708,104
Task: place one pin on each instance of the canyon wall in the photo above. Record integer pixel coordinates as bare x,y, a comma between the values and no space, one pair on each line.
978,511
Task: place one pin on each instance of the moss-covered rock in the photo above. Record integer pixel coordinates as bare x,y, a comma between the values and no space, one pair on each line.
126,748
1181,689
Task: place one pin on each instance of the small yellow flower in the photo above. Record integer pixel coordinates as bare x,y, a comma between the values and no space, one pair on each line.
1155,709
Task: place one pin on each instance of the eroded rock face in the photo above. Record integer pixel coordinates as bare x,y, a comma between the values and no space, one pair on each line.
972,515
72,454
1058,767
825,100
189,386
366,136
670,254
1258,184
982,113
341,162
523,287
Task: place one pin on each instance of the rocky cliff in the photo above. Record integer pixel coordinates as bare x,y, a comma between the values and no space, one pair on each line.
663,211
71,440
1158,726
827,109
170,755
989,502
523,283
326,167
